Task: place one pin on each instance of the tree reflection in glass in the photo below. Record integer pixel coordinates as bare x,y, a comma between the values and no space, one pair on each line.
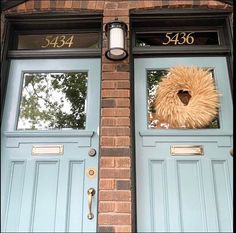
53,101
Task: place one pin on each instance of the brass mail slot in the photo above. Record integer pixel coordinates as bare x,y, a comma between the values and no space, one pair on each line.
47,150
186,150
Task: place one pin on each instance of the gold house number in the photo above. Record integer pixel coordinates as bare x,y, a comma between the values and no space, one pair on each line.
58,41
179,38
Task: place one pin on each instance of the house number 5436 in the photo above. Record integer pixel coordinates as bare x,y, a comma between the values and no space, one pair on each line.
58,41
179,38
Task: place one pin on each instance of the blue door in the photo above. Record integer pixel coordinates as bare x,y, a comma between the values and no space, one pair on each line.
49,153
184,174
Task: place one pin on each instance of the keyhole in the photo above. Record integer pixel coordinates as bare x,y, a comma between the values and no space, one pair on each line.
184,96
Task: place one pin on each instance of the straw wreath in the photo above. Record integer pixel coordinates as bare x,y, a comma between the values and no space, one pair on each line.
197,106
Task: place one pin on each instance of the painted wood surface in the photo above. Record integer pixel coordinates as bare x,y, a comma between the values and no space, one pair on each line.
184,193
48,193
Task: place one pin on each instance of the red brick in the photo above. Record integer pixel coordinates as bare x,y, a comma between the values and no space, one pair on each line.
115,93
106,206
136,4
115,151
100,5
123,5
123,184
91,5
104,229
122,162
116,12
123,229
123,67
105,195
116,84
123,207
68,4
122,102
122,141
84,4
37,5
123,121
29,5
108,141
75,4
157,3
108,103
114,219
123,84
114,173
60,4
148,4
108,121
213,4
203,3
111,5
106,184
119,131
108,67
111,112
108,84
21,7
107,162
115,75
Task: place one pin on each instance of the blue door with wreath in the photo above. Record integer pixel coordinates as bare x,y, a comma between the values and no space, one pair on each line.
49,155
183,130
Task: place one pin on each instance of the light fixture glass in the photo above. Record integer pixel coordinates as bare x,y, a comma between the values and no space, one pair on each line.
116,31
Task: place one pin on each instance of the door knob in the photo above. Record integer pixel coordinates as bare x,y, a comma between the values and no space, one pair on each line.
91,193
231,151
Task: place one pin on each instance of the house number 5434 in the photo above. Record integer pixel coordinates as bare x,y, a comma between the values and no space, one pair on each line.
58,41
179,38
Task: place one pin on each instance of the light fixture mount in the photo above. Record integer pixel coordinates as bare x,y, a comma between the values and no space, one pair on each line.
116,32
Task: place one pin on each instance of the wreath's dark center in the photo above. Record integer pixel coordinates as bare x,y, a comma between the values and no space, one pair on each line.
184,96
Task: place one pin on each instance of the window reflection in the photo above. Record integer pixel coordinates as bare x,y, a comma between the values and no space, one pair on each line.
53,101
153,79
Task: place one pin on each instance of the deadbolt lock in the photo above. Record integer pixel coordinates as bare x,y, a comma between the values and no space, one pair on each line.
92,152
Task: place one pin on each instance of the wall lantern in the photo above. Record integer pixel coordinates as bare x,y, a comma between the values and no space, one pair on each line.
116,32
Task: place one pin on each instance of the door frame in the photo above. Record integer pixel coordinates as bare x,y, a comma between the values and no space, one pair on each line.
223,21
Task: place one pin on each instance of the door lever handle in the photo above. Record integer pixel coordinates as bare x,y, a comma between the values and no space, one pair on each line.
91,192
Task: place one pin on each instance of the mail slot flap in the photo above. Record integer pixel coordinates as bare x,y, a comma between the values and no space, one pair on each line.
47,150
186,150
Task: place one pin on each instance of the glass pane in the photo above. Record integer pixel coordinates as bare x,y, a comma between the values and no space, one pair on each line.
154,78
176,38
53,101
58,41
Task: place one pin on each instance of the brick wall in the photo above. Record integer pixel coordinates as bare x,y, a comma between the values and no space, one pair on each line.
116,210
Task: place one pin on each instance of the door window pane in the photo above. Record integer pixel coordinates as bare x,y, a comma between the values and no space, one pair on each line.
153,79
55,100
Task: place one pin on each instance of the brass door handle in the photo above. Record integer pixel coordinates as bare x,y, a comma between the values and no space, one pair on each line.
91,192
